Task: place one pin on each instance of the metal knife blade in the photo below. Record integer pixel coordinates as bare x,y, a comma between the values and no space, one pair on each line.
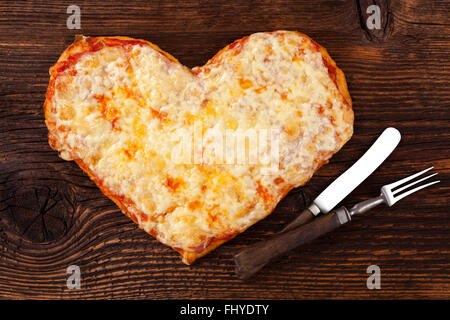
350,179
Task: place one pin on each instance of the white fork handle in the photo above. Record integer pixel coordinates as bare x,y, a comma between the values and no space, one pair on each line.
357,173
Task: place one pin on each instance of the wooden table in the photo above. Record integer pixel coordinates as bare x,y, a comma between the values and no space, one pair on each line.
53,216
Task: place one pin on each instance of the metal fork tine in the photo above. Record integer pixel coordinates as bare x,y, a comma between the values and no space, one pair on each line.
404,180
397,198
413,183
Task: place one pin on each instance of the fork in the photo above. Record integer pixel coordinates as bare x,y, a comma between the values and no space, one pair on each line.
251,260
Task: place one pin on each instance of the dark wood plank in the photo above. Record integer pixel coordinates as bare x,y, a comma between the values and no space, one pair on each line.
52,215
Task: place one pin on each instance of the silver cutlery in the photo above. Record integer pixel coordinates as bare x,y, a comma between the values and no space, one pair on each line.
252,259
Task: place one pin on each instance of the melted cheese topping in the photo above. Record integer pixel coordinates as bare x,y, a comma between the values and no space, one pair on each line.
120,110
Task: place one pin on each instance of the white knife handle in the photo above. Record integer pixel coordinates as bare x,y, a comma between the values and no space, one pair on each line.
357,173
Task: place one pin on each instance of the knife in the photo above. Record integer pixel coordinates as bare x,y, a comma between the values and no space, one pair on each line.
350,179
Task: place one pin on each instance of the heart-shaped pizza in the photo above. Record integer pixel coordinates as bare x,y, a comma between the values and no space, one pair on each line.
196,156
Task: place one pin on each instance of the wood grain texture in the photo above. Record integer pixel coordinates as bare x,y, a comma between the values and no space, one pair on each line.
255,257
52,215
